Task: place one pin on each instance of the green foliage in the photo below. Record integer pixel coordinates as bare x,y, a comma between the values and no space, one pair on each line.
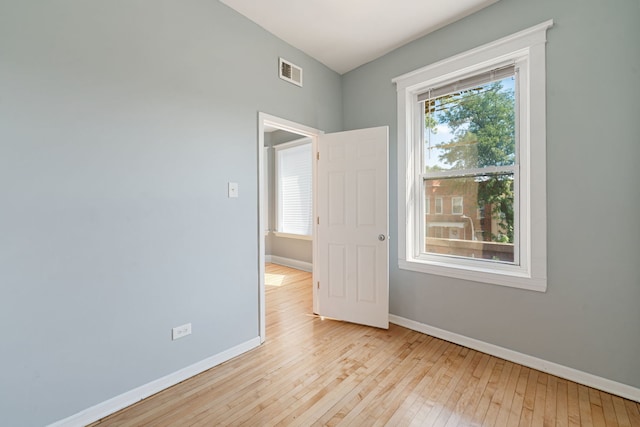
430,122
497,192
482,121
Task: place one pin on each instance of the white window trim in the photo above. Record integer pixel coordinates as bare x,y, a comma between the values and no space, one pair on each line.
527,48
265,206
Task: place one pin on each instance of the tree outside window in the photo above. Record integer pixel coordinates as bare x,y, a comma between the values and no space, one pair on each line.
470,153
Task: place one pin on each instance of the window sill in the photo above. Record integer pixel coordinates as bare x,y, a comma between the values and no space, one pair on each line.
292,236
513,279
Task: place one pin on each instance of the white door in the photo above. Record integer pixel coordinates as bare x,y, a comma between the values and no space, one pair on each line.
353,227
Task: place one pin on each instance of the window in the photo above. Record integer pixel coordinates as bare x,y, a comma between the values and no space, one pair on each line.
427,207
439,205
294,188
469,148
480,212
472,131
456,205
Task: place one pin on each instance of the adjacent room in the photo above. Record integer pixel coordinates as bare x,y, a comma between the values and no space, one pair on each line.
143,251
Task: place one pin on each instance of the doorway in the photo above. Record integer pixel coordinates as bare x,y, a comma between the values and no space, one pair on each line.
275,131
350,227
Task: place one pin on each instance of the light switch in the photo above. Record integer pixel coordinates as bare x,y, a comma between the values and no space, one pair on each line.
233,189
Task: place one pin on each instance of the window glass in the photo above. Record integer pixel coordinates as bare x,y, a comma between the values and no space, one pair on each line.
481,229
439,204
456,205
474,128
470,159
294,182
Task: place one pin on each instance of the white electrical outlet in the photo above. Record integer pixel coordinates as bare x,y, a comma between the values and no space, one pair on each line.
233,189
181,331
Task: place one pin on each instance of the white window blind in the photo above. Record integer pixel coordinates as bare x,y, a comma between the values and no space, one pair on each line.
468,83
294,187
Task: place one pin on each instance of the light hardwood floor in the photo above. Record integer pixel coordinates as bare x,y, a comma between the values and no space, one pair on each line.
322,372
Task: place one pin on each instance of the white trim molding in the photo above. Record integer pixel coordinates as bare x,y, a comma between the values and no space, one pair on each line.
585,378
292,236
290,262
117,403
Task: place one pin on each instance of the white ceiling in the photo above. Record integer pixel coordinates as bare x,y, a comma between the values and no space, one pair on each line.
344,34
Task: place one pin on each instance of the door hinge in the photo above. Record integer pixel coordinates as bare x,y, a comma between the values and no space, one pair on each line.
318,285
318,220
317,155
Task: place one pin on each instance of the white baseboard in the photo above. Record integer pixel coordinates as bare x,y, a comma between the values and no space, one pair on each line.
117,403
289,262
613,387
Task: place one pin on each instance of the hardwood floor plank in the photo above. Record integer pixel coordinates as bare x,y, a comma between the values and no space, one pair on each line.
518,399
573,410
357,387
315,372
498,397
509,397
472,388
406,394
526,417
439,413
375,393
551,401
415,400
485,399
320,392
310,382
562,404
585,406
633,411
608,409
541,397
597,412
621,412
474,399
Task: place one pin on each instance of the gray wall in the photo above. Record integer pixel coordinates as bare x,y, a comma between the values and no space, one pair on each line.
296,249
589,318
121,123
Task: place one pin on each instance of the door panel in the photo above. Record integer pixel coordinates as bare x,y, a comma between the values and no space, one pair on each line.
337,271
366,261
352,208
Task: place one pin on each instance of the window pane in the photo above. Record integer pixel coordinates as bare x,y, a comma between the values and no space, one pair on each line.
471,129
456,205
480,223
295,189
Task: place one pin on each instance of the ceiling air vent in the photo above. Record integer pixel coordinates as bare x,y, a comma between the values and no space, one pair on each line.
290,72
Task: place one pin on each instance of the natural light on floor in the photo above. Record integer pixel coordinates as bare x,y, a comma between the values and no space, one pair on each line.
271,279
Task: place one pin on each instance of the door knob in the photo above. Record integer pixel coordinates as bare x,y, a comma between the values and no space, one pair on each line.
381,237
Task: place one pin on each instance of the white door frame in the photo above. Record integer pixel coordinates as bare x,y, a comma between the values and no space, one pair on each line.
289,126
